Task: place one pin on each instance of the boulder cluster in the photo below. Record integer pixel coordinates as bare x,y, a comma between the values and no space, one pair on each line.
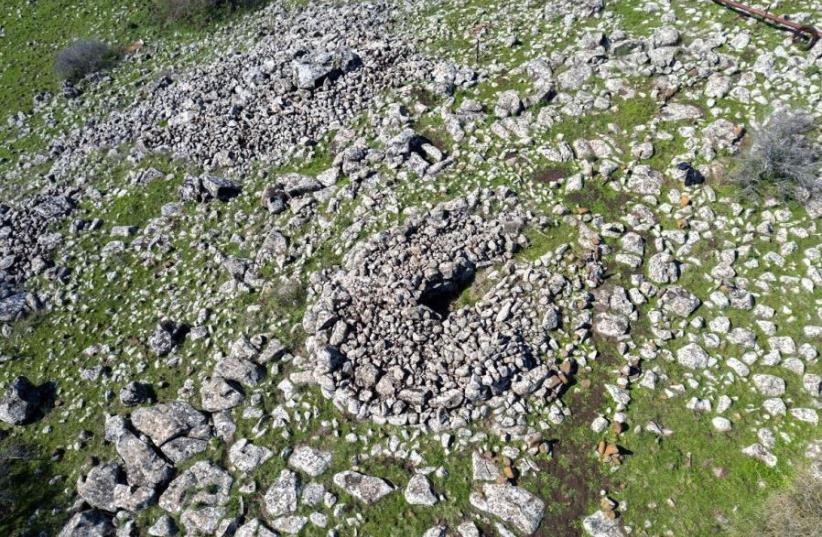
387,342
306,70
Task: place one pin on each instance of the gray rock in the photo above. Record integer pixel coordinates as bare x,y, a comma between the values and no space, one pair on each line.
254,528
574,77
202,485
721,424
693,356
90,523
247,457
611,324
291,525
530,381
367,489
20,402
680,112
483,469
436,531
97,488
308,460
666,36
717,86
599,525
295,184
311,70
645,180
418,491
240,370
508,104
220,188
135,393
662,268
217,394
142,463
761,453
167,335
281,497
769,385
166,421
13,306
679,301
312,494
468,529
329,177
812,384
182,448
206,520
163,527
513,505
133,498
741,299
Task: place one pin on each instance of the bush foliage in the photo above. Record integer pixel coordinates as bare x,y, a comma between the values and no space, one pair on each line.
783,159
795,512
199,12
83,57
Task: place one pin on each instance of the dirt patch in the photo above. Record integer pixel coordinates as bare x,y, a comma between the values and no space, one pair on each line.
599,198
550,175
570,482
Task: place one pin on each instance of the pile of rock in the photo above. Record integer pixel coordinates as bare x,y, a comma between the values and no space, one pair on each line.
26,246
23,400
306,69
385,344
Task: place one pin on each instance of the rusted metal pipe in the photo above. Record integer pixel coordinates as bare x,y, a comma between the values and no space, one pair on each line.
804,34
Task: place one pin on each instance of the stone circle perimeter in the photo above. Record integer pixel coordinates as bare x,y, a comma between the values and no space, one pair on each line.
387,343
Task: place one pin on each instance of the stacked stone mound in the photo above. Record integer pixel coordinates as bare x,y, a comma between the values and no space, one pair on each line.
385,345
307,69
26,245
25,241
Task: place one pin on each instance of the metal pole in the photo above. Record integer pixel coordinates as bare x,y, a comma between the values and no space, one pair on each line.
808,34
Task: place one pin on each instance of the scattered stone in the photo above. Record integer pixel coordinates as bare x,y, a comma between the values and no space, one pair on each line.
367,489
202,485
90,523
254,528
769,385
247,457
600,524
21,402
693,356
313,462
135,393
163,527
679,301
760,453
418,491
281,497
483,469
662,268
512,504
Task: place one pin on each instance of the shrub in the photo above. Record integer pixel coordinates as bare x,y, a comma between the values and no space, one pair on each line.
83,57
198,12
22,473
191,11
795,512
782,159
290,293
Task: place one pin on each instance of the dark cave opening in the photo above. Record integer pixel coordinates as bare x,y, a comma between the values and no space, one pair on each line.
440,297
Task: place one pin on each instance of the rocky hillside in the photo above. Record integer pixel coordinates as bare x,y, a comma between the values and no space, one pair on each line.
413,268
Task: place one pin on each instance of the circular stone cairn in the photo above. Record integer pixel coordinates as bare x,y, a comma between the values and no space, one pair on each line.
385,343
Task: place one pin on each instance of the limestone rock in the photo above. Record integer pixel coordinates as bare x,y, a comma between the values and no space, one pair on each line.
366,488
512,504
